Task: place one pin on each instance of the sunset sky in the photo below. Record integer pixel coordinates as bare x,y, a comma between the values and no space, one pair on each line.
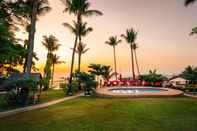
163,26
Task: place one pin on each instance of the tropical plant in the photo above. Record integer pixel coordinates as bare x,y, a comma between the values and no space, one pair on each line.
95,69
130,37
152,77
88,81
79,8
10,50
189,2
51,44
190,73
22,91
31,10
113,41
106,72
55,60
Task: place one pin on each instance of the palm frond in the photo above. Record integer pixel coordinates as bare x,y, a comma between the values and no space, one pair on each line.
188,2
194,31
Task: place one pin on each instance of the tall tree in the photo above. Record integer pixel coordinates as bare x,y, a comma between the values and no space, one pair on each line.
113,41
79,8
80,50
135,47
130,37
31,10
55,60
51,44
10,51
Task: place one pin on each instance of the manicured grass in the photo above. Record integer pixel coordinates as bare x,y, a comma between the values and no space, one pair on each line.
94,114
51,95
45,97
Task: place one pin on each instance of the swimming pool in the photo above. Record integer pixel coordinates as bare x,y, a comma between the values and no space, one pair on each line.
133,92
126,90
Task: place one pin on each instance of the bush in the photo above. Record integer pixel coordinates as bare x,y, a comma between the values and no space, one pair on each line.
88,82
22,91
74,86
186,89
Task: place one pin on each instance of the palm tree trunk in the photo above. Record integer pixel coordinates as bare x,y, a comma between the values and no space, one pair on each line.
69,92
115,62
31,37
53,70
132,62
79,64
136,61
25,65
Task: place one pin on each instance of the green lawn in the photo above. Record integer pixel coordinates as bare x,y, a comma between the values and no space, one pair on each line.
94,114
45,96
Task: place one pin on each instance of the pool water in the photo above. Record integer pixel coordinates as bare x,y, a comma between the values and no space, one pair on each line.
126,90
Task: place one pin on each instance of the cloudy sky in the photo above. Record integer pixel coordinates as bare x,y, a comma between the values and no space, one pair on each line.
163,26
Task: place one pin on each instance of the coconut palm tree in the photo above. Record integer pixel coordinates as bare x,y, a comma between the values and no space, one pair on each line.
31,10
51,44
135,47
80,50
55,60
130,37
79,8
113,41
106,72
78,29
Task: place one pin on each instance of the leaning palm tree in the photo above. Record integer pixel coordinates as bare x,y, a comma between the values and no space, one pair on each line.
130,37
135,47
31,10
113,41
79,8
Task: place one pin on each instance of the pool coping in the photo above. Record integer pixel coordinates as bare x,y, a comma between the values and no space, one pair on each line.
104,92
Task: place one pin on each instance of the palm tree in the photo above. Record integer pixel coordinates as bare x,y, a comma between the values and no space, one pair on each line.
130,37
79,29
31,10
113,41
80,50
79,8
51,44
55,60
135,47
188,2
190,73
106,72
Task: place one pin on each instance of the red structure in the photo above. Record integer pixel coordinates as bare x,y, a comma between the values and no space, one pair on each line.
123,82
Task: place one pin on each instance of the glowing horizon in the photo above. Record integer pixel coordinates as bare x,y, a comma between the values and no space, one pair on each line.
164,41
